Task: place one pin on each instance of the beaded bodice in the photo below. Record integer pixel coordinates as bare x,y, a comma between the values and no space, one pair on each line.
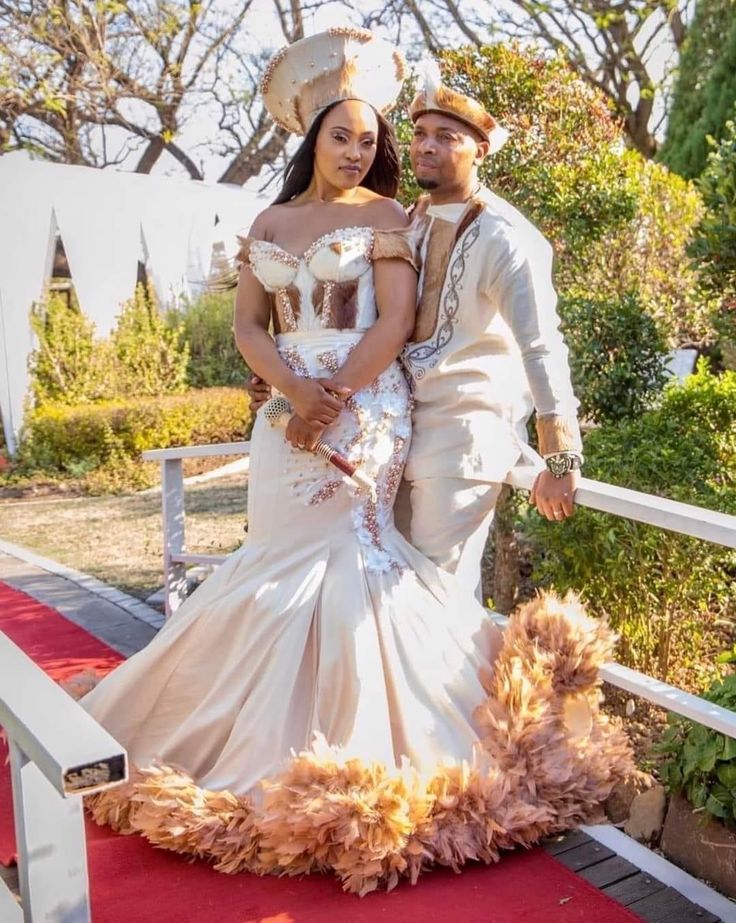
329,287
328,293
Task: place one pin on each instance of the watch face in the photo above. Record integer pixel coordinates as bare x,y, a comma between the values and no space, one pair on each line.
559,464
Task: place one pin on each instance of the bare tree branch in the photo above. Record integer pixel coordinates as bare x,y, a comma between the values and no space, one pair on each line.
71,71
608,42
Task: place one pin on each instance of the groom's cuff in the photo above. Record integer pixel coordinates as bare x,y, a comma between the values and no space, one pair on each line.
558,434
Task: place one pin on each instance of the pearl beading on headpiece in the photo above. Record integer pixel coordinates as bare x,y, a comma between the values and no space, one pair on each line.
297,85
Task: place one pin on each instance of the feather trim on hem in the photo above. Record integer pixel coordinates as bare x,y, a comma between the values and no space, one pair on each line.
531,776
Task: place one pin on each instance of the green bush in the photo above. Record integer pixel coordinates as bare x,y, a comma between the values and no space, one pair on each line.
76,440
616,355
703,96
649,254
663,592
152,357
143,355
66,365
700,762
714,247
207,329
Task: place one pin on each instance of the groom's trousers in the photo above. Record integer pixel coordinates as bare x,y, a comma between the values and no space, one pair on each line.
448,519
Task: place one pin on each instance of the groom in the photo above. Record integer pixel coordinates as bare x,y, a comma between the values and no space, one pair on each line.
486,347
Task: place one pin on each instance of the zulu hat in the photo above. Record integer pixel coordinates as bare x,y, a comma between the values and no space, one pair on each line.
342,63
434,96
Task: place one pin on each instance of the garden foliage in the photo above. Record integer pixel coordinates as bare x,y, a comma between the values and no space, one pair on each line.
714,246
143,354
151,355
700,762
75,440
148,352
207,328
617,365
666,594
704,95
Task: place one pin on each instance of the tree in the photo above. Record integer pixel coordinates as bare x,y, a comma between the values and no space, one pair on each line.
609,43
714,244
704,95
87,82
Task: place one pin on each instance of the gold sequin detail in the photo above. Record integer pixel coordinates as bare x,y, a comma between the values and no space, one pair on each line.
395,472
292,357
327,304
271,67
329,361
287,311
370,521
361,232
325,492
276,253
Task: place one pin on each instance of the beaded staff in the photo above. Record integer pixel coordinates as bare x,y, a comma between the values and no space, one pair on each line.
278,409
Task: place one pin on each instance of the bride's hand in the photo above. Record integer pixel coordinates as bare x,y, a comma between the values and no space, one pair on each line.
313,403
301,435
336,387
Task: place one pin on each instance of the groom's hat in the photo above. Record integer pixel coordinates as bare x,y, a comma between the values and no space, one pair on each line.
342,63
434,96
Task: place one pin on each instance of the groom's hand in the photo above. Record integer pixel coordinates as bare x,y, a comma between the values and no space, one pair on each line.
554,497
259,392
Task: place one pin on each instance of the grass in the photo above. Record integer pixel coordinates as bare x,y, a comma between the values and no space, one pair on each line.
119,539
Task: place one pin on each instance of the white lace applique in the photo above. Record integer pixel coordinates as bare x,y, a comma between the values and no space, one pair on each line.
373,432
385,409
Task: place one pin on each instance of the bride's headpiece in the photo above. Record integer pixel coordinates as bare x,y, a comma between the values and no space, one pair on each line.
434,96
341,63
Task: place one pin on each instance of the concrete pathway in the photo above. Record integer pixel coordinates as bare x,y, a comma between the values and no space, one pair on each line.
125,623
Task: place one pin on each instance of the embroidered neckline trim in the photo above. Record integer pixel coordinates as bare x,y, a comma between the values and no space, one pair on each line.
294,260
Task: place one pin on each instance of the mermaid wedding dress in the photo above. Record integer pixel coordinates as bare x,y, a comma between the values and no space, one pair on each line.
329,699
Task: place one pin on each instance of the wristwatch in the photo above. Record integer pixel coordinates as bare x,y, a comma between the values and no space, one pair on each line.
562,463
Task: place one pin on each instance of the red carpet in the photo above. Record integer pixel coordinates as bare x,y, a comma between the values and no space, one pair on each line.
132,881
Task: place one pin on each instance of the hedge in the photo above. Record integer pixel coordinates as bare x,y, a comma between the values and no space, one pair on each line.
78,439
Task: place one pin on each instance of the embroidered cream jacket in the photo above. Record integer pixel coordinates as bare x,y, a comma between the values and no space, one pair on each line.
487,348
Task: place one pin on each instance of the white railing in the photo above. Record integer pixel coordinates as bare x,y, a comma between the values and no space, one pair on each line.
57,754
719,528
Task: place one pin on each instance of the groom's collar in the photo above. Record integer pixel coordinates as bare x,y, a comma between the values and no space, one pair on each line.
454,212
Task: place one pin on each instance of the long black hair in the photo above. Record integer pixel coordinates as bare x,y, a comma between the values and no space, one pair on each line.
383,176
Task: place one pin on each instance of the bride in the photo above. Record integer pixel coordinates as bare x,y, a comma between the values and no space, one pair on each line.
329,699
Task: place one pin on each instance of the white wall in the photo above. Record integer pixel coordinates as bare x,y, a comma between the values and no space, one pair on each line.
108,221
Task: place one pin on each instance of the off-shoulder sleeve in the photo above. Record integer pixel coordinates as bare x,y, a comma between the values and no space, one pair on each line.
395,245
242,257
